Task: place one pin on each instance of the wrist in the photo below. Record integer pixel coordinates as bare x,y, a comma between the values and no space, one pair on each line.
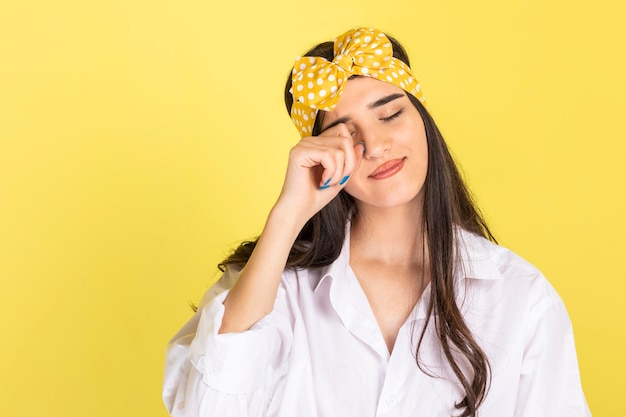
283,217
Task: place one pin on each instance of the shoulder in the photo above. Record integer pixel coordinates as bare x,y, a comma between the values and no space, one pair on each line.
492,259
482,260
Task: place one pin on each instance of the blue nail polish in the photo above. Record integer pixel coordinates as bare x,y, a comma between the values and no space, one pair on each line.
344,179
362,143
325,185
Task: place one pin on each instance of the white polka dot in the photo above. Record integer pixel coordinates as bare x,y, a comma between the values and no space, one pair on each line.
300,87
357,40
401,72
301,99
313,115
311,96
310,75
389,78
395,75
320,81
378,52
331,77
376,64
361,60
326,108
305,117
312,60
302,66
339,81
364,70
367,39
333,88
387,58
322,93
300,77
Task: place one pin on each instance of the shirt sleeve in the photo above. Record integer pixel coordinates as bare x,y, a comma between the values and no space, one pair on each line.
231,374
550,380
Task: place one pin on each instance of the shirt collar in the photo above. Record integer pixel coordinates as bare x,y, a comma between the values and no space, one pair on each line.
340,267
476,259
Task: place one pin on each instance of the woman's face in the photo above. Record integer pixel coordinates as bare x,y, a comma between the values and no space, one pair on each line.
393,170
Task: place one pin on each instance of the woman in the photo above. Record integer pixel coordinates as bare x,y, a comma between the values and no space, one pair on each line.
373,288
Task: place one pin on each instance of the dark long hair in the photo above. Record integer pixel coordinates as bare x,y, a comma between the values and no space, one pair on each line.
447,205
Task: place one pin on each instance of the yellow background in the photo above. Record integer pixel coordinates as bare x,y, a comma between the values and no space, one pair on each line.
141,140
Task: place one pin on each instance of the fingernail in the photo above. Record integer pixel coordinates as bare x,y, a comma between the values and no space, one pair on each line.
344,179
362,143
325,185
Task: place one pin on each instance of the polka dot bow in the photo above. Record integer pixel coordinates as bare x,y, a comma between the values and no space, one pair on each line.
317,83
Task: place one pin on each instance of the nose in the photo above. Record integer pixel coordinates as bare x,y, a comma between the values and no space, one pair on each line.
377,143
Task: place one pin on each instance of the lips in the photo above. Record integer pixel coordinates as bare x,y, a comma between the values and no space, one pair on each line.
387,169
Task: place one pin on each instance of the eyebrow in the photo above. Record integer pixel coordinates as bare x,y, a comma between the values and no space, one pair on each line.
378,103
384,100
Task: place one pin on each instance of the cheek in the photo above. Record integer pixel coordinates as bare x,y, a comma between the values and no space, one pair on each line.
353,187
423,153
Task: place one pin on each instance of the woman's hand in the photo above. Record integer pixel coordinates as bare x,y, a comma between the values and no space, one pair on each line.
319,167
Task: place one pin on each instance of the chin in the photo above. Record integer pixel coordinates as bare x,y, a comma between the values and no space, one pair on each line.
392,198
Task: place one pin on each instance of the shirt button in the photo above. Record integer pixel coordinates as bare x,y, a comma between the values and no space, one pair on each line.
391,400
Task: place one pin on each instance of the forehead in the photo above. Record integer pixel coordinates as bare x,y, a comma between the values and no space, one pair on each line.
358,94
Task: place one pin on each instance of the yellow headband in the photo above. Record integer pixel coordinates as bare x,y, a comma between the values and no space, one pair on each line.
317,83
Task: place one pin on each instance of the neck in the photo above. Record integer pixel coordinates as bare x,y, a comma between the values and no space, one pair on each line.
389,235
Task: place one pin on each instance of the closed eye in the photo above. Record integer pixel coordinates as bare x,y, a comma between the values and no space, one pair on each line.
393,116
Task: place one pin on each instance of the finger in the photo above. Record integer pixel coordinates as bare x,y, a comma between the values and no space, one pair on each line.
364,148
338,130
324,163
350,159
333,176
340,140
342,131
357,152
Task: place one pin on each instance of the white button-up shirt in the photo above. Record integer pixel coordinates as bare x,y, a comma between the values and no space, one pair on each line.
320,351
